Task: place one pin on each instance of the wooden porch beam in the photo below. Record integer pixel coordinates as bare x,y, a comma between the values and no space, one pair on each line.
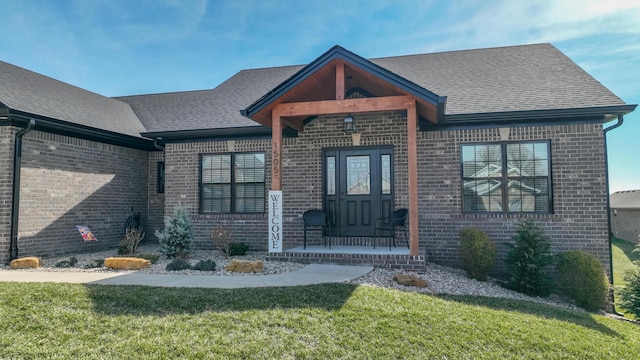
412,158
326,107
340,81
294,124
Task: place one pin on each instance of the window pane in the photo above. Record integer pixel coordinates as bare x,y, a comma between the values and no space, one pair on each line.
483,195
216,169
528,185
249,198
331,175
386,174
216,198
249,168
358,180
481,161
527,179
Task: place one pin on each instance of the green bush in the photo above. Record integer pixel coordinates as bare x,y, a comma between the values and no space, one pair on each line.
630,294
238,249
151,257
205,265
177,236
581,278
527,259
478,253
178,264
67,263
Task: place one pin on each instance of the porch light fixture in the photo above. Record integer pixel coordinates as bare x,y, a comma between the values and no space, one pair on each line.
349,124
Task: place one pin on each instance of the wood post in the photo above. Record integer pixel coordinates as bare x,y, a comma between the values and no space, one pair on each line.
276,152
340,81
412,159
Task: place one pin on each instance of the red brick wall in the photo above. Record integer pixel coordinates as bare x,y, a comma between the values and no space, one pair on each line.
66,182
579,220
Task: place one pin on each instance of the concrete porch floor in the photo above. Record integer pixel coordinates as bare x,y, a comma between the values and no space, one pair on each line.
342,249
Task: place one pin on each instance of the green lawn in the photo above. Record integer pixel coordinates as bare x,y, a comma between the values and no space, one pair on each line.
331,321
623,257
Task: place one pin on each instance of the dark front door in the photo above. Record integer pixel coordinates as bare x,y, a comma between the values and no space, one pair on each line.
358,188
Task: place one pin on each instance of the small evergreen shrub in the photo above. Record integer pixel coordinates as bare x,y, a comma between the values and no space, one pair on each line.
93,264
581,278
131,240
238,249
178,264
177,236
478,253
527,260
67,263
151,257
630,294
205,265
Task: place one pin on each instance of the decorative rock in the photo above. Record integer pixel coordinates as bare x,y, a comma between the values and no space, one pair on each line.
245,266
410,280
126,263
25,263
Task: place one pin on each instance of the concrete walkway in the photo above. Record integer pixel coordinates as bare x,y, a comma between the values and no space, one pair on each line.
309,275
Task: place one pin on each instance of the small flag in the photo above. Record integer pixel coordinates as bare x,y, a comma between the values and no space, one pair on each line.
86,233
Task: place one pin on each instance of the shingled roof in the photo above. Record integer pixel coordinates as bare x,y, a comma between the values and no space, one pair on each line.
39,95
514,78
482,81
628,199
511,80
208,109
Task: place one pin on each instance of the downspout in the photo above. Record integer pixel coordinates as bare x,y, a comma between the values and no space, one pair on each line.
156,145
15,200
606,174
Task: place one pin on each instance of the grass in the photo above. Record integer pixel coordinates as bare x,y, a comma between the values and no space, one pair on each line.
623,257
330,321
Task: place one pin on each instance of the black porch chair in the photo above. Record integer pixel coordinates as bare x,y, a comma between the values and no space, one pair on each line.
316,217
396,220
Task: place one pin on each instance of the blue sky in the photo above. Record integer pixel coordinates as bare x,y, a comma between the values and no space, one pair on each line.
115,47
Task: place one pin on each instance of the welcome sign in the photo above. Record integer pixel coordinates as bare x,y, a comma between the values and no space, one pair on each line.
275,221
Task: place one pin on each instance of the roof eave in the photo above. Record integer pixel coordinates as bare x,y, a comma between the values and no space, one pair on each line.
253,132
54,126
597,114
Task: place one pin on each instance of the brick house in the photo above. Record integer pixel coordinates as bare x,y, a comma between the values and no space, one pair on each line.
464,138
625,215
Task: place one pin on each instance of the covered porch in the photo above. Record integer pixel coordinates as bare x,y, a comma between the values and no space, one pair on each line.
320,92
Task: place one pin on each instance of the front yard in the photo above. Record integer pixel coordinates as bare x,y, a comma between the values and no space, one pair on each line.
317,322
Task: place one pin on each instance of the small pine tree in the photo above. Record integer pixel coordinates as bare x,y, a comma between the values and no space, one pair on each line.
177,236
527,259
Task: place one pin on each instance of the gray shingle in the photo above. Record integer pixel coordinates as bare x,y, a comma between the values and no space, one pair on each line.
37,94
515,78
628,199
208,109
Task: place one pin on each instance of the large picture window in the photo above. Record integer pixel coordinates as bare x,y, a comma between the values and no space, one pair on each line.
232,183
506,177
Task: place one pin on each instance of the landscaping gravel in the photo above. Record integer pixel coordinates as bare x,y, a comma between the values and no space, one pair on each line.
441,279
